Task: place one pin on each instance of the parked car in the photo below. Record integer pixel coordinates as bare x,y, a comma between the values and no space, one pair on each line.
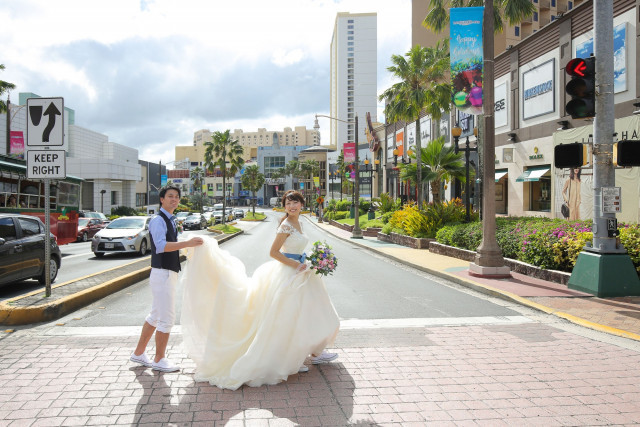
22,249
98,215
217,215
88,227
238,213
181,216
127,234
208,215
194,221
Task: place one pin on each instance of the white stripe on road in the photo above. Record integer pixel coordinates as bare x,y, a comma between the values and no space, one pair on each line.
345,324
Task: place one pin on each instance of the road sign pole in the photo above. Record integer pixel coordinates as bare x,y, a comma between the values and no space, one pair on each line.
47,236
604,268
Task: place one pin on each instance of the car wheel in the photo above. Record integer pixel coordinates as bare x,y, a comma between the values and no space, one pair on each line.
143,248
85,237
99,254
53,272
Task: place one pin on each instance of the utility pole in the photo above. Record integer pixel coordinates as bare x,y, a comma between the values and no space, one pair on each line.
604,268
488,261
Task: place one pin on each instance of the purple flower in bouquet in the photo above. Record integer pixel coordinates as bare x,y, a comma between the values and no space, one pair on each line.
323,261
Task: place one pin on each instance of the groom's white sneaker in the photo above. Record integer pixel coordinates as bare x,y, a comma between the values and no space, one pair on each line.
164,365
303,369
324,358
141,360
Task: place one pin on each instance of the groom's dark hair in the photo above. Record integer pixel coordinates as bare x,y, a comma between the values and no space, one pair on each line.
163,190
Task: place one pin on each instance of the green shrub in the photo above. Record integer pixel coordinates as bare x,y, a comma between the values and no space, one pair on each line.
444,235
340,215
343,205
385,217
124,211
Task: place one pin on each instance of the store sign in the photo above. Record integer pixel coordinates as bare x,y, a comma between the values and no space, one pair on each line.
425,130
390,147
466,123
500,105
274,181
538,90
400,142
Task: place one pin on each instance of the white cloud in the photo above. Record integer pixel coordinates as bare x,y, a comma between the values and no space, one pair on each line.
149,73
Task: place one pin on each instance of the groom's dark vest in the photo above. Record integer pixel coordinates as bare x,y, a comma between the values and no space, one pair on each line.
166,260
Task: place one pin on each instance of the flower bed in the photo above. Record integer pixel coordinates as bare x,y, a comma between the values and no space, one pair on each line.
551,244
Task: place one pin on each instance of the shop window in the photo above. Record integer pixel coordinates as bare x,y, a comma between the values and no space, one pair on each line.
537,188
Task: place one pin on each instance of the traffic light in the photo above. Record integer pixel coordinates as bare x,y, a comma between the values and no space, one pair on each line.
581,87
626,153
570,155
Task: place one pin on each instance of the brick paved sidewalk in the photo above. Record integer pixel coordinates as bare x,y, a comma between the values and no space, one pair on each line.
528,374
619,316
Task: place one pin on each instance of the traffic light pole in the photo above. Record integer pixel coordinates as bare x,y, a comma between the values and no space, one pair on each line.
604,268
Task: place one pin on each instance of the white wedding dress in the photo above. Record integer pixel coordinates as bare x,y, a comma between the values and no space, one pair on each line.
253,330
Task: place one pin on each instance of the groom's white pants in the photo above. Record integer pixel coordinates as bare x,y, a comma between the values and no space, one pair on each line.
163,290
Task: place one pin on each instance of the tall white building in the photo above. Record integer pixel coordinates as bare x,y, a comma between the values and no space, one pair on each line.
353,75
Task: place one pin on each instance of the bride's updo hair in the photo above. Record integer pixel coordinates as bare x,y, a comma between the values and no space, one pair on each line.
291,195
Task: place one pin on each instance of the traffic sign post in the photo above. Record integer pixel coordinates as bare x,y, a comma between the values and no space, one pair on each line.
45,130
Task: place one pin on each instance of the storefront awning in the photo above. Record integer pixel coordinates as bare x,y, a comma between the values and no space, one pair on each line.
500,173
533,174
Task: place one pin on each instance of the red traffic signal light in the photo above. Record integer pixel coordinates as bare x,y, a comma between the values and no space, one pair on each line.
581,88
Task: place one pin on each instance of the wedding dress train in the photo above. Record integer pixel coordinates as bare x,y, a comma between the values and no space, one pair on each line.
253,330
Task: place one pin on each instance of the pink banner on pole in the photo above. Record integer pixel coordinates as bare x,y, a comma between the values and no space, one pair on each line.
349,149
16,147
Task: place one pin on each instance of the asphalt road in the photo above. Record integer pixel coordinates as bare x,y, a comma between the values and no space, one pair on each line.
364,286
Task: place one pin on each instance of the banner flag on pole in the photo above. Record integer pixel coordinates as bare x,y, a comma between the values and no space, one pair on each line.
466,58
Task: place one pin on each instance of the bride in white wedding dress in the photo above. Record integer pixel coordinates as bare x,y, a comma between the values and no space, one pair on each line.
255,330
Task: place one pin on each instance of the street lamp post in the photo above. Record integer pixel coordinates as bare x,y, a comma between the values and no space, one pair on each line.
102,200
357,233
456,131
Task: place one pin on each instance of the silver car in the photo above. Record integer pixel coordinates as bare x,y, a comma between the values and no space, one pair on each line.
127,234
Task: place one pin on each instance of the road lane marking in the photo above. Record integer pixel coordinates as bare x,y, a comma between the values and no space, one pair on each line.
345,324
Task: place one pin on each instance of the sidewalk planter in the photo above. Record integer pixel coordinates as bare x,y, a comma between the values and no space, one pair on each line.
555,276
412,242
371,232
345,227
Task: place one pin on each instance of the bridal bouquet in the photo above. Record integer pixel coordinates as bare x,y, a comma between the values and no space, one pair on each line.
323,261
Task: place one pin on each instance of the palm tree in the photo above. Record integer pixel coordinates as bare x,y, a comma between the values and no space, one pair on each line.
441,163
513,11
421,87
4,87
253,180
224,153
196,175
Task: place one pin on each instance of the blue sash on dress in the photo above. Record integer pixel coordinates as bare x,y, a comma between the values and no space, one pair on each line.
297,257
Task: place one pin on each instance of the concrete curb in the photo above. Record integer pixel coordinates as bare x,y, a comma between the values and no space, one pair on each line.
11,315
488,290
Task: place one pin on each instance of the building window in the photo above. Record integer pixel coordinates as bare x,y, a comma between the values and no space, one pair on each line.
517,30
349,32
553,18
351,54
114,197
570,5
535,16
553,3
350,49
219,186
349,43
350,21
350,38
537,188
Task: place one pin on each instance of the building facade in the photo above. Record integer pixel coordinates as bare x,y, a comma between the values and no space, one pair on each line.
353,74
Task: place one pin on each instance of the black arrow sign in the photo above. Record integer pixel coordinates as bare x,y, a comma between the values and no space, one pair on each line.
51,111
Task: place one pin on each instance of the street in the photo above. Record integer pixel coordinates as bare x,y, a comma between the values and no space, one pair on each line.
414,350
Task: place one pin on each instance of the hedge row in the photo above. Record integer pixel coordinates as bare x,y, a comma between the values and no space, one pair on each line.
552,244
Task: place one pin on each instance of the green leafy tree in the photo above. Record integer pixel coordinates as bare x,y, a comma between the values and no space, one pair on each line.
197,174
253,180
224,153
422,87
440,163
4,87
504,11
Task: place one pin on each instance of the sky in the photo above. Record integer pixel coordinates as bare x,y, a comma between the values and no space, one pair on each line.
149,73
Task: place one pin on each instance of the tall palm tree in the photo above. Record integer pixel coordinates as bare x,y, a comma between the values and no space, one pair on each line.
441,163
509,11
4,87
224,153
196,175
253,180
422,86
